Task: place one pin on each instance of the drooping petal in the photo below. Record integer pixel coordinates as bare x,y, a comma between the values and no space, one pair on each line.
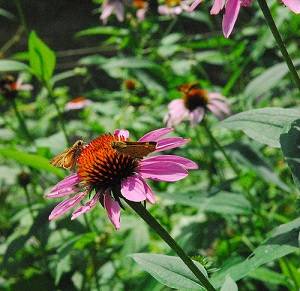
87,206
221,106
122,132
112,208
158,171
217,6
155,135
66,205
186,163
69,181
215,110
177,112
170,143
232,11
149,193
196,116
63,192
194,5
133,189
294,5
216,95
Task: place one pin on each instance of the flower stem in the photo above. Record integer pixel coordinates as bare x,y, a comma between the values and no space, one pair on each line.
266,11
150,220
22,122
218,146
18,4
51,94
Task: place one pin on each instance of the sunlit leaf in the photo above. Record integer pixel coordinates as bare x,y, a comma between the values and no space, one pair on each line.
104,30
41,58
264,125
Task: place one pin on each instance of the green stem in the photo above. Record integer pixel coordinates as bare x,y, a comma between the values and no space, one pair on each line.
22,122
221,149
51,94
29,203
149,219
20,11
266,11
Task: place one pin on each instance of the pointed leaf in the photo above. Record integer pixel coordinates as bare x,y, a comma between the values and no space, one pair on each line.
229,285
170,271
264,125
41,58
10,66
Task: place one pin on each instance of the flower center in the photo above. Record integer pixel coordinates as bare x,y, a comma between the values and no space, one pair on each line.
195,98
101,167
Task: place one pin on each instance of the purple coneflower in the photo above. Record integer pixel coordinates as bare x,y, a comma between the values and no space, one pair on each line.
174,7
193,105
232,8
112,175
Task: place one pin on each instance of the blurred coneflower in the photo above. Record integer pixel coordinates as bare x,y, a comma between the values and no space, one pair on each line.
77,103
9,87
171,7
193,105
112,175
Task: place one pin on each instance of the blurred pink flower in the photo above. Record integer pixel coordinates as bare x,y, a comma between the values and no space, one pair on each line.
113,175
141,7
232,9
176,7
77,103
9,87
193,105
113,6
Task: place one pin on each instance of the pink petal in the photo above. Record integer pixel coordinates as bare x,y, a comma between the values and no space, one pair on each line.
196,116
66,205
216,95
186,163
221,106
87,206
63,192
122,132
69,181
133,189
158,171
218,5
170,143
232,11
177,112
112,208
215,110
194,5
149,193
294,5
155,135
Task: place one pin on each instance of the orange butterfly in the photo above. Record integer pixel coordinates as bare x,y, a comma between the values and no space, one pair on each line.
67,159
137,150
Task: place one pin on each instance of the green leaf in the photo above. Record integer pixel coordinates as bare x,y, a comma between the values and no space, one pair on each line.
282,240
41,58
290,141
223,202
107,30
11,66
129,63
265,81
269,276
264,125
254,160
229,285
170,271
35,161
